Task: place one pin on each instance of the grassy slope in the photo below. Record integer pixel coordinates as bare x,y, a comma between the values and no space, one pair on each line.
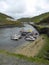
35,19
40,17
43,53
5,22
3,19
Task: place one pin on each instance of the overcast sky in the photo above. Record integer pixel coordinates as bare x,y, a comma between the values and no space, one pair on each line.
24,8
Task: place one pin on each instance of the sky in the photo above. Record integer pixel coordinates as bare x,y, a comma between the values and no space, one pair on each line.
24,8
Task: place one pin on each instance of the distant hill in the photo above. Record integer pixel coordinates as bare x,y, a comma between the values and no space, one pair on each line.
24,20
6,20
35,19
3,19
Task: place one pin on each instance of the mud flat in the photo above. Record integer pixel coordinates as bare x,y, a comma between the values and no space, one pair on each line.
32,48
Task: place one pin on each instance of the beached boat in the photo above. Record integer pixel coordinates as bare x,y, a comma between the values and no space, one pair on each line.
15,37
30,38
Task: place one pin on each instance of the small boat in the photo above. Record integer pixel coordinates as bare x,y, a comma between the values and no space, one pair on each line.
30,38
15,37
25,32
33,35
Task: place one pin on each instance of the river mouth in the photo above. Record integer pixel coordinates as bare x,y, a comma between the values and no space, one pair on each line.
5,41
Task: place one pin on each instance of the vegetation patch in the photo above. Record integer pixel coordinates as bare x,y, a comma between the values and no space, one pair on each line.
44,53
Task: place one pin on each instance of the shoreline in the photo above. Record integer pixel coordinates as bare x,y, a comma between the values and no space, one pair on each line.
10,26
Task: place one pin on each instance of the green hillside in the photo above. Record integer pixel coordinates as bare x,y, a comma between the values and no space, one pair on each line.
35,19
40,17
3,19
4,16
7,21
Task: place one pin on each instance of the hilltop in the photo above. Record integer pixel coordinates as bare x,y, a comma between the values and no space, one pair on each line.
35,19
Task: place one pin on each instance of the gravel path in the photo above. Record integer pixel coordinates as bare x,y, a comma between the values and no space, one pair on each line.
11,60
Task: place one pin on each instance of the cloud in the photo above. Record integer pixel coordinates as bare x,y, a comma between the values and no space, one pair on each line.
24,8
